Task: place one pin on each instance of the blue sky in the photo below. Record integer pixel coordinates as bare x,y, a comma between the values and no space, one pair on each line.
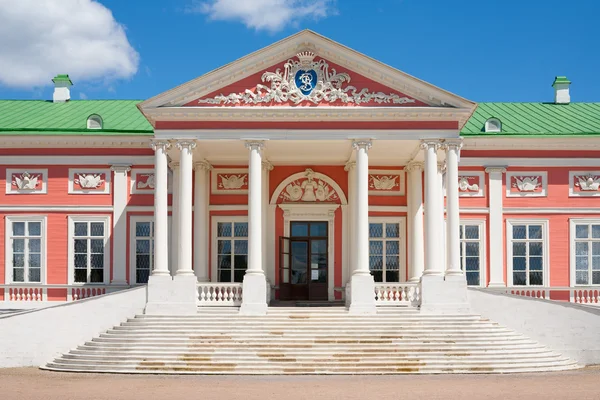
484,50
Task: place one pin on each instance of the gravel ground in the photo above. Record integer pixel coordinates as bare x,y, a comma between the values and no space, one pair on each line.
32,383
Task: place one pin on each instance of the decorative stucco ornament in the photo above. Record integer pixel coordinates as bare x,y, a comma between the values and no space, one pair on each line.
306,80
232,181
527,183
309,190
26,181
588,183
89,181
464,186
149,183
384,182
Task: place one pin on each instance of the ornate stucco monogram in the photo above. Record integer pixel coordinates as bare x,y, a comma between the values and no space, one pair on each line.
310,189
306,80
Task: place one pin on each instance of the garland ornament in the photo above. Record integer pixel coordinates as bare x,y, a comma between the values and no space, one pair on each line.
306,80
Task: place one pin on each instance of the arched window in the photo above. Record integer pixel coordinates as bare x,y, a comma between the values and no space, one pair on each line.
94,121
493,125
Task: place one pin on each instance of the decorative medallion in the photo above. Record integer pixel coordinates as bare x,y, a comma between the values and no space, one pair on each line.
142,181
526,184
470,184
229,181
584,183
386,182
89,181
26,182
303,80
309,189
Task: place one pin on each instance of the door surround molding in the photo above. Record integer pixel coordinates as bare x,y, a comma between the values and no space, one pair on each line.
315,212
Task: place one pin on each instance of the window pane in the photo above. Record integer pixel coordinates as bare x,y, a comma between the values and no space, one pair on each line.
224,247
318,261
18,245
318,246
519,249
581,248
240,229
238,275
519,278
97,229
142,275
240,262
299,229
81,229
596,248
519,263
581,263
519,231
392,262
473,278
97,261
96,276
18,228
581,231
392,247
34,275
142,261
142,246
35,261
18,275
536,278
224,229
375,263
535,248
318,229
596,278
18,260
142,229
472,249
377,275
375,230
392,230
80,245
535,263
535,231
80,275
80,261
225,275
35,245
35,229
472,263
97,245
224,262
596,262
471,231
581,277
376,247
240,247
392,276
596,231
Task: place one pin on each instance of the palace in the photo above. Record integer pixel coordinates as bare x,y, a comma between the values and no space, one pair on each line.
303,173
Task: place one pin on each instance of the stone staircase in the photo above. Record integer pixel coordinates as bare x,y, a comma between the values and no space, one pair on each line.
310,341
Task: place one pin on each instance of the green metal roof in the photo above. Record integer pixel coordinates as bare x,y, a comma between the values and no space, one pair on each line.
38,117
540,119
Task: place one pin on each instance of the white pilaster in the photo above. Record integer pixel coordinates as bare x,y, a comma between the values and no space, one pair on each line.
362,291
174,244
433,198
452,209
161,218
496,254
184,265
351,250
201,236
119,235
416,253
254,298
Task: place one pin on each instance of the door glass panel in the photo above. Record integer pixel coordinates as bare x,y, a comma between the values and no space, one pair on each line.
319,246
299,229
299,260
318,229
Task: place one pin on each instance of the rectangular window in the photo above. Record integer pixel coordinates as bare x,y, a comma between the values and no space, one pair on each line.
471,251
527,257
231,250
585,246
385,250
144,250
89,249
26,248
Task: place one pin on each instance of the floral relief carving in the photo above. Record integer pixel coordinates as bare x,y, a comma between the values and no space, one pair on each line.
526,183
587,183
27,181
305,80
232,181
309,189
89,181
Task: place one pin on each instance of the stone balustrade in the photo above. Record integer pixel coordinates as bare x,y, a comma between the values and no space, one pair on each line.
211,294
397,294
589,295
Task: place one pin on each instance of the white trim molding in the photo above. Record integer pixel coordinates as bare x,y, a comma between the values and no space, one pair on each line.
401,221
573,222
26,181
510,222
71,250
481,223
214,223
386,182
8,245
530,162
89,180
142,181
584,183
527,184
232,181
77,160
471,183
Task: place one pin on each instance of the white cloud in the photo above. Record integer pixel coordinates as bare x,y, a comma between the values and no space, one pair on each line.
271,15
42,38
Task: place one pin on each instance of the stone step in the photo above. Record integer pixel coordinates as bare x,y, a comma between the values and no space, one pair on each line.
310,324
341,331
318,317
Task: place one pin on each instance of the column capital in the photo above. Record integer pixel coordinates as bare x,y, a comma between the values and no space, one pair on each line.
123,168
186,144
491,170
362,144
453,144
267,166
202,165
350,165
160,144
429,143
414,166
174,164
255,144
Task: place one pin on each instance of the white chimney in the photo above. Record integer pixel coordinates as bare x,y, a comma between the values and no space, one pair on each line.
62,85
561,90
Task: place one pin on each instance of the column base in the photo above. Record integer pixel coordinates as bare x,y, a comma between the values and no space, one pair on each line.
362,295
254,295
172,296
447,295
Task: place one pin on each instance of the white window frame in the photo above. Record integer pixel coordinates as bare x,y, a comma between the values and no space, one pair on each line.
482,248
132,238
8,246
545,245
71,250
401,221
573,222
214,242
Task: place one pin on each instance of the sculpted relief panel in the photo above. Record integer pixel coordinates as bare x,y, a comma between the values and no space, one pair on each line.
229,181
309,189
386,182
471,184
584,183
31,181
526,184
89,181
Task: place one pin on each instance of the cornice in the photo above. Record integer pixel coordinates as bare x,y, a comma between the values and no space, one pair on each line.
73,142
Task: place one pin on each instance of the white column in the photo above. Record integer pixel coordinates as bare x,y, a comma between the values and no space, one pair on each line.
254,298
432,202
440,208
266,168
184,265
174,243
496,254
452,209
362,292
201,235
416,252
351,168
161,238
119,235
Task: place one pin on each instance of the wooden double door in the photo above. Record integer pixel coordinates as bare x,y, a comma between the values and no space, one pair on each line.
304,261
